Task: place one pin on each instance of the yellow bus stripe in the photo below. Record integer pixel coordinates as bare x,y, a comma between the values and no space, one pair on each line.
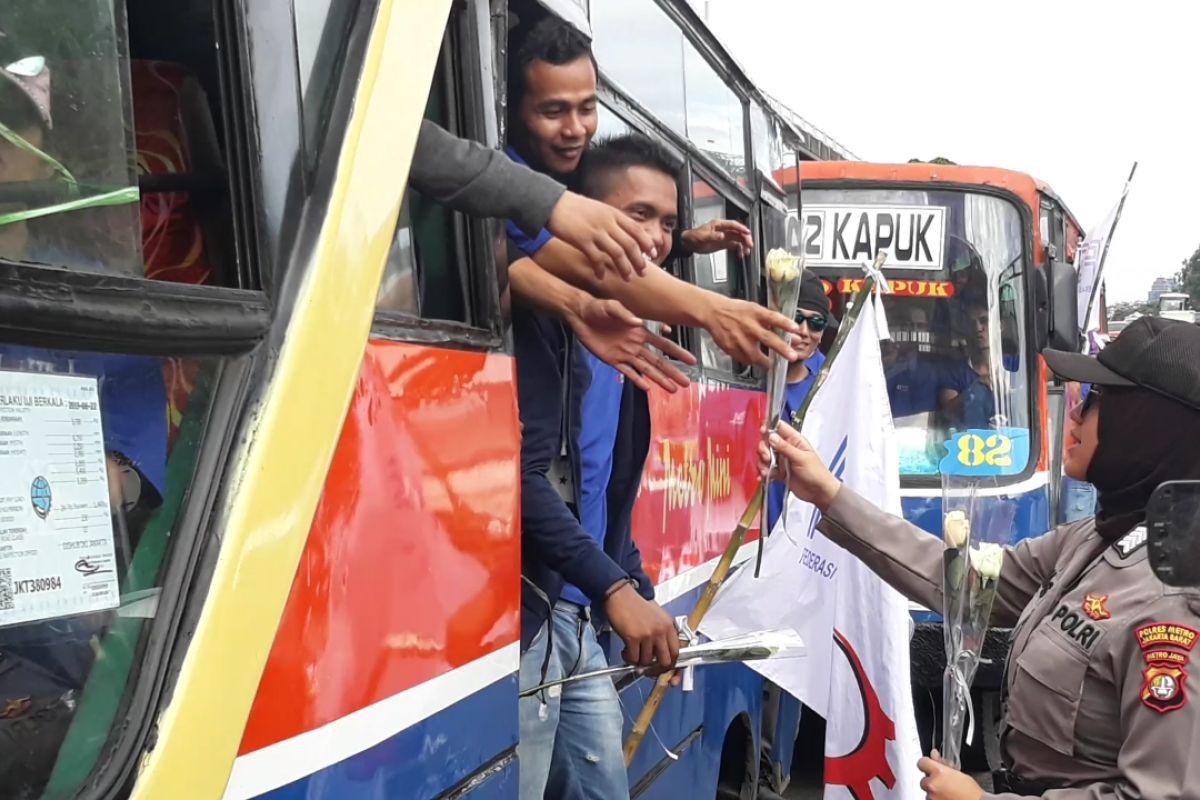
280,475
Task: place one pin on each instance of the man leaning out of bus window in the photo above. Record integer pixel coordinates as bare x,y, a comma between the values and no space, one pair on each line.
579,562
553,117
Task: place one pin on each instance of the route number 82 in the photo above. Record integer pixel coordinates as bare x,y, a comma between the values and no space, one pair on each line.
994,450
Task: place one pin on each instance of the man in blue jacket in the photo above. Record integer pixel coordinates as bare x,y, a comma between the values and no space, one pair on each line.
580,566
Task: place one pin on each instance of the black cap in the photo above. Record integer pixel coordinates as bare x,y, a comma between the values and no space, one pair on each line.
812,295
1162,355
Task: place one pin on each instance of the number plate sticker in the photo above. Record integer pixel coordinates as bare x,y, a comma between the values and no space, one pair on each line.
987,453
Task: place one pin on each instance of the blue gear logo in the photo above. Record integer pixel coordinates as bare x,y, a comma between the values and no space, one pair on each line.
40,496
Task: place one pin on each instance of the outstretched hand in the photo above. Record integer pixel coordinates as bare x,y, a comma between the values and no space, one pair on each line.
742,329
619,338
611,240
799,465
719,234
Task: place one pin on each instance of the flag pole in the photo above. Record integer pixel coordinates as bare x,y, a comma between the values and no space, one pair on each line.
646,716
1104,253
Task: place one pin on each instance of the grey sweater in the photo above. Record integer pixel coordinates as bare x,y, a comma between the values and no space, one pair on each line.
477,180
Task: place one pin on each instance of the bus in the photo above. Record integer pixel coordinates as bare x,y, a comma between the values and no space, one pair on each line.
259,444
980,270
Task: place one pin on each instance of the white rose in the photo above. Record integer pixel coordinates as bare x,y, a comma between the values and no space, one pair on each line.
987,559
782,266
956,529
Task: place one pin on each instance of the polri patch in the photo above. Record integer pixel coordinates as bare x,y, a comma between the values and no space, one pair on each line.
1162,689
1076,627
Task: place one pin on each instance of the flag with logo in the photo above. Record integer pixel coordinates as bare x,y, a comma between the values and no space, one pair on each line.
855,628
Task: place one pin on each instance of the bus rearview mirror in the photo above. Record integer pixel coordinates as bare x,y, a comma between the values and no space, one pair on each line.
1173,533
1063,323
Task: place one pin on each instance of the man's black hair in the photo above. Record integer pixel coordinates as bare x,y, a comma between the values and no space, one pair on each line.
613,155
551,40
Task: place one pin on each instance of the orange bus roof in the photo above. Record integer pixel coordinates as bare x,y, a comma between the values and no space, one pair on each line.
1021,184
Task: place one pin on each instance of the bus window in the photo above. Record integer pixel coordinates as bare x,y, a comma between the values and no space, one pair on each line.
771,156
82,575
115,151
957,359
641,50
720,272
609,124
322,32
422,276
68,192
715,118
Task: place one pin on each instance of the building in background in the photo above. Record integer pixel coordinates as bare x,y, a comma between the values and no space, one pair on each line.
1160,286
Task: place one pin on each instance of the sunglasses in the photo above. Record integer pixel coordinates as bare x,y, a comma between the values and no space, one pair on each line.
815,324
1093,397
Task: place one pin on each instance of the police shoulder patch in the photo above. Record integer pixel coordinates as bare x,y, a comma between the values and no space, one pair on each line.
1130,543
1163,687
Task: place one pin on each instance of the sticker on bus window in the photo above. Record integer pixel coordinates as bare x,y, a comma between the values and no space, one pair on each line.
987,453
848,236
56,533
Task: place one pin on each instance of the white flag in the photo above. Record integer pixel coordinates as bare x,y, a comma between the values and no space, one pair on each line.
1089,266
855,628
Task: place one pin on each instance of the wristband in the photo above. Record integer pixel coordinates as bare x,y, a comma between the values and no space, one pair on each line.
618,586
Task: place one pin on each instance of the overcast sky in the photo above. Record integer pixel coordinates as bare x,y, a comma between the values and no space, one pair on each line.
1070,92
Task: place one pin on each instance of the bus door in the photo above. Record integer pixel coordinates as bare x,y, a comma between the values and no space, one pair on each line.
182,314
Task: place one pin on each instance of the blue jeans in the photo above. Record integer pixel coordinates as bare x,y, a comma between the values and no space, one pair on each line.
571,735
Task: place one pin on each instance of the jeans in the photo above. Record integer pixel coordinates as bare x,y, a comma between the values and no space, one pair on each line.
570,745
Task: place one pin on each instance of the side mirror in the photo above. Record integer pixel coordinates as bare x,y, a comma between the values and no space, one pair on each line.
1063,327
1173,533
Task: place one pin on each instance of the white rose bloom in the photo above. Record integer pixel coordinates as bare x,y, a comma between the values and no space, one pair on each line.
956,528
987,559
782,266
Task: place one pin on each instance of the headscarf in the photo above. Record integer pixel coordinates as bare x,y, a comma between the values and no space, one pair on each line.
1146,438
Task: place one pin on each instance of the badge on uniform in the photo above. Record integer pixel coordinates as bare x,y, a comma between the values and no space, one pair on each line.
1165,646
1163,688
1094,606
1129,544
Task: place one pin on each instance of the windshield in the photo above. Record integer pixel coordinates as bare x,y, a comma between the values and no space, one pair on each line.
1173,304
956,359
68,192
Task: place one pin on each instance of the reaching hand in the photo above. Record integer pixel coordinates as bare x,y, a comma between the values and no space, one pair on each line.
611,240
806,474
648,632
946,783
719,234
741,328
619,338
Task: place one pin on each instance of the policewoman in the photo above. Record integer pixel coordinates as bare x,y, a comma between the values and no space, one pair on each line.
1099,683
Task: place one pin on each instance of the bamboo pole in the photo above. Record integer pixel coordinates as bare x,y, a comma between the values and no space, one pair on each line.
646,717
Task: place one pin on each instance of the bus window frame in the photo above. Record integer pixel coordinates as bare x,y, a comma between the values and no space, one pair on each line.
1036,381
466,62
743,375
271,201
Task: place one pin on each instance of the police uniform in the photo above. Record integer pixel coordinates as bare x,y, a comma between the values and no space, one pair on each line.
1096,686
